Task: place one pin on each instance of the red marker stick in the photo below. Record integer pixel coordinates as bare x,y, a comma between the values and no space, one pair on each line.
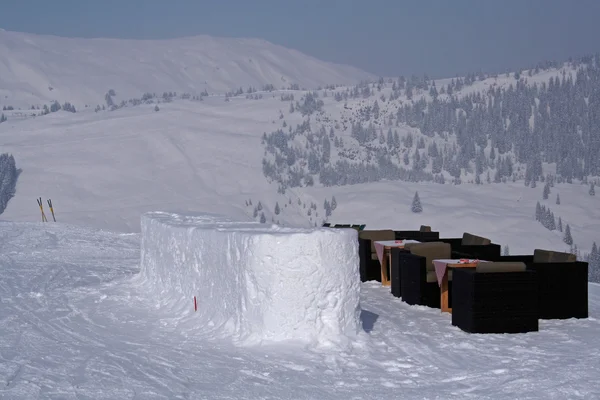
195,304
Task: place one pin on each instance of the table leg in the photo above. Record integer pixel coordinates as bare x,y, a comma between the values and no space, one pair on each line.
385,279
444,294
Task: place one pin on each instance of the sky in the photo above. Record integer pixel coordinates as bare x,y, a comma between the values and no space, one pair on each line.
385,37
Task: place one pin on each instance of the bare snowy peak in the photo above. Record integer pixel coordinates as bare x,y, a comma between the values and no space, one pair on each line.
38,69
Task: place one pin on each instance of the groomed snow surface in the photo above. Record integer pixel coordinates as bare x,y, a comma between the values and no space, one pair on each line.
78,321
254,282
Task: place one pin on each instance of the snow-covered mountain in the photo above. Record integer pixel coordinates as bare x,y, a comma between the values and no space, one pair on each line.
38,69
293,149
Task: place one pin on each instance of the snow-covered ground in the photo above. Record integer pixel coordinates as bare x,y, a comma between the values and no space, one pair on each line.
75,323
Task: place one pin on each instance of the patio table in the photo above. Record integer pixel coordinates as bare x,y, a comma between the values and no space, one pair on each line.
441,272
383,247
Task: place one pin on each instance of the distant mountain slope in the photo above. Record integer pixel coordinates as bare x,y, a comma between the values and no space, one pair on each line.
38,69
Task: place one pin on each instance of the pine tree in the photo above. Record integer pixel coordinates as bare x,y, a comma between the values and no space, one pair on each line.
592,192
255,212
505,251
416,206
327,208
277,209
333,203
560,224
538,211
546,191
557,198
568,239
575,250
263,219
259,206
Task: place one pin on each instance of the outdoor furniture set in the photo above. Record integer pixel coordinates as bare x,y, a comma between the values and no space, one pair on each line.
468,277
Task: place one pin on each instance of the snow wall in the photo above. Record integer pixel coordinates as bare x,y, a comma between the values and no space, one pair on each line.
253,282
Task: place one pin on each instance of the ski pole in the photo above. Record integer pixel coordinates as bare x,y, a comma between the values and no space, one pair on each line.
51,209
39,201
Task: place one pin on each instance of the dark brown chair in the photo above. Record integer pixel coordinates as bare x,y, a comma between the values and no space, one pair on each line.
418,281
473,246
370,268
562,283
495,297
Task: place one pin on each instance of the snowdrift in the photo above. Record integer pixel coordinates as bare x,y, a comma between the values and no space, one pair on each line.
254,283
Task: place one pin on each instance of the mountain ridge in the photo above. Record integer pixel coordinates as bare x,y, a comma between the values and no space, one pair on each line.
37,69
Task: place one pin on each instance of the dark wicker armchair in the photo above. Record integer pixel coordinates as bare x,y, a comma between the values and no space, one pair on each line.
370,268
473,246
495,298
418,282
424,234
562,283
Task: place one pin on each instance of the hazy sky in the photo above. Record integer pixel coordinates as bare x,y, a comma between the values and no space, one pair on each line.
386,37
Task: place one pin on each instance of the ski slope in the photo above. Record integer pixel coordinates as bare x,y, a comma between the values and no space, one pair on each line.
75,323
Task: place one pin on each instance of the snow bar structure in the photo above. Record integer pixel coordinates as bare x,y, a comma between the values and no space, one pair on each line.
254,283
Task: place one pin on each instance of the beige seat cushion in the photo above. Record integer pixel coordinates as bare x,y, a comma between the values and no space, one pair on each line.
474,240
431,251
548,256
500,267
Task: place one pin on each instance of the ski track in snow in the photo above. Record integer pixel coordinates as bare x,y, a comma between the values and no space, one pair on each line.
76,324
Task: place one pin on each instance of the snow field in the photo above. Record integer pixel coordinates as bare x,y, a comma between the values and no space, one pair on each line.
76,323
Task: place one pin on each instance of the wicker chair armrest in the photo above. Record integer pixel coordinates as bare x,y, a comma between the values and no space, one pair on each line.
527,259
454,242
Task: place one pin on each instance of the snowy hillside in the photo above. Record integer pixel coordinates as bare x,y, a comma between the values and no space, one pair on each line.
105,169
75,323
291,150
38,69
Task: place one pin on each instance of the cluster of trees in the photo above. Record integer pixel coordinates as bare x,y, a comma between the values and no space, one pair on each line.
554,122
146,98
8,179
546,217
45,110
311,210
308,104
593,259
329,206
495,130
291,164
492,131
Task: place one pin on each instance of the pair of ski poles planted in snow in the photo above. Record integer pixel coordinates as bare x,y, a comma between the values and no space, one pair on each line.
44,219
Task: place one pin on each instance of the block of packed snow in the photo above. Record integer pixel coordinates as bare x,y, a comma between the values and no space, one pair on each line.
254,282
